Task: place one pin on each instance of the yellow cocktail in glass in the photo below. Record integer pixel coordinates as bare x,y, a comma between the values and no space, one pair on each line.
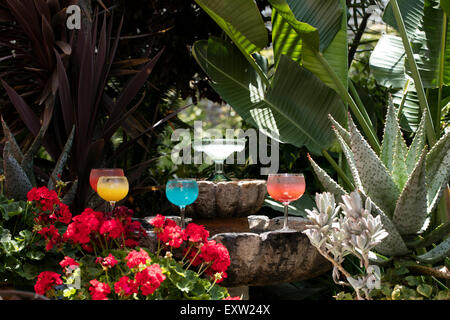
112,189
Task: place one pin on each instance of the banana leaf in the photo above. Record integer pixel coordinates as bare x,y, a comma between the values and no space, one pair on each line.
424,27
324,45
241,20
291,110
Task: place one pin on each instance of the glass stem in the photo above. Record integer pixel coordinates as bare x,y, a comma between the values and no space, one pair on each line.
219,167
182,211
113,204
286,208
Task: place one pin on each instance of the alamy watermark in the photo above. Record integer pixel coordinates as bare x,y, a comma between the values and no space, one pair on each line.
74,17
257,149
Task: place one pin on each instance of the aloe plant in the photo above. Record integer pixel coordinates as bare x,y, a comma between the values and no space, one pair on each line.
404,184
18,166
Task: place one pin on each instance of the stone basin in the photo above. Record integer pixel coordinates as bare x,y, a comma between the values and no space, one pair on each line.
238,198
261,254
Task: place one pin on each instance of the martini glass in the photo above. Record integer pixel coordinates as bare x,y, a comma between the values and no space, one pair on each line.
97,173
112,189
219,150
285,188
182,192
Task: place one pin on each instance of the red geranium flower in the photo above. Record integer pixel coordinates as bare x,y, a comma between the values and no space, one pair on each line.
195,233
108,262
46,281
158,221
125,286
99,290
135,258
47,199
51,236
150,279
172,235
68,262
83,225
218,254
113,228
63,214
232,298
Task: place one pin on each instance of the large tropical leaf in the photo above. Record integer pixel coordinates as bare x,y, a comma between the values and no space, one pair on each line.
410,114
243,23
241,20
322,26
387,62
426,45
285,39
325,16
445,5
291,110
424,26
411,12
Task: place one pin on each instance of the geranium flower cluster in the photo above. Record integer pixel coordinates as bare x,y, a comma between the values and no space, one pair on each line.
142,277
211,257
49,211
93,229
111,267
89,230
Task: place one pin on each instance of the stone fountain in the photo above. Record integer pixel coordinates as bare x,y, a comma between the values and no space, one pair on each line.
261,254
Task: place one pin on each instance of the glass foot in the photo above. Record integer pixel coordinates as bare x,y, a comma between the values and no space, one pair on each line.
218,177
287,229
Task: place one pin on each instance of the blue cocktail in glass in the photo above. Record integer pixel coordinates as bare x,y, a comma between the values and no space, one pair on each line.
182,192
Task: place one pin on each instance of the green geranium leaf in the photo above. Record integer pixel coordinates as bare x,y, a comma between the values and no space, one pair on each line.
425,290
35,255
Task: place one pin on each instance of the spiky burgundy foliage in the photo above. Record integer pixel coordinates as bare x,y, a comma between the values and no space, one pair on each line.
64,78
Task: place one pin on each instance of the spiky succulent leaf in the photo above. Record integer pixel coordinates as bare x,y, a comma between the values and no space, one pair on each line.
399,171
350,159
28,159
436,254
17,183
327,182
393,244
390,136
411,210
393,148
377,182
70,195
417,145
343,132
14,148
438,170
59,167
434,236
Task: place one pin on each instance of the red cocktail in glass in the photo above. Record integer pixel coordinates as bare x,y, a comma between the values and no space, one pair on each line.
97,173
285,188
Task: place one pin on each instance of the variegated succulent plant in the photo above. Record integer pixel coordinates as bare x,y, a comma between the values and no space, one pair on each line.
18,166
355,232
404,184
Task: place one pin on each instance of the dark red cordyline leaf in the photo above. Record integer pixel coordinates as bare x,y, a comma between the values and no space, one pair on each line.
26,114
109,131
65,95
132,89
43,9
